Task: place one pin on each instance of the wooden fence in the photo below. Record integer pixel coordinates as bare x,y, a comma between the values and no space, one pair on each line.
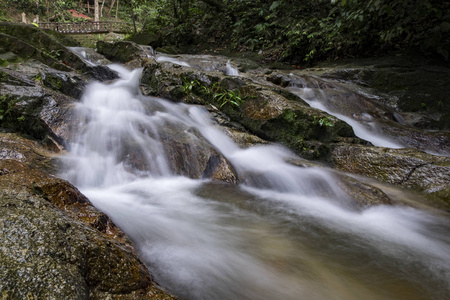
89,27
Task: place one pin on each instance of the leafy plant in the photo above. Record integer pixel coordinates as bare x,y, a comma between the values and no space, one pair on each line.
229,97
188,85
323,122
6,107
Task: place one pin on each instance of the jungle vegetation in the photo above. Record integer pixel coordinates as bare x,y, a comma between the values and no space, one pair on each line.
303,31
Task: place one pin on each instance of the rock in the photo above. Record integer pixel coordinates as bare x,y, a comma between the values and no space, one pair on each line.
27,51
38,112
305,130
146,39
264,111
363,195
363,107
414,85
244,139
28,152
170,49
189,154
54,243
124,51
405,167
29,42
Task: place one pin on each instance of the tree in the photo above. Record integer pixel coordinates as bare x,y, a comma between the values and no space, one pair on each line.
96,11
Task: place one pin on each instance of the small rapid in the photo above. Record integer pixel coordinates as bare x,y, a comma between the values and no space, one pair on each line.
284,232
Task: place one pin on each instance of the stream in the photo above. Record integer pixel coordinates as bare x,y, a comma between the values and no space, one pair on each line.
285,232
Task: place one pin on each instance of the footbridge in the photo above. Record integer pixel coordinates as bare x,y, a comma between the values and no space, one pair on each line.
89,27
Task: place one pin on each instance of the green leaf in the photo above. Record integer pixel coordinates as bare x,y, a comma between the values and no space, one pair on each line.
274,5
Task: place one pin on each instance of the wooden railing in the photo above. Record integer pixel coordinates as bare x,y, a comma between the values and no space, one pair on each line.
89,27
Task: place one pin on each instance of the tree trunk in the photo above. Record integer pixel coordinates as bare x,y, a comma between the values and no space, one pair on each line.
111,8
101,10
117,8
96,11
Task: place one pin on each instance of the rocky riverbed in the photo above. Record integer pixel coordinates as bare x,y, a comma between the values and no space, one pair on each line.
55,244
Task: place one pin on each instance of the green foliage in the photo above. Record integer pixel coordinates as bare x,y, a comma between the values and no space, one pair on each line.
307,31
38,77
189,85
7,114
3,62
229,97
323,122
213,93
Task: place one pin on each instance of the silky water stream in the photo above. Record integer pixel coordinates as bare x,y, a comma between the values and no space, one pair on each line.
284,233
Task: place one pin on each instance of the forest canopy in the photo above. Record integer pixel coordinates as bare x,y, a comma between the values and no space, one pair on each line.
293,30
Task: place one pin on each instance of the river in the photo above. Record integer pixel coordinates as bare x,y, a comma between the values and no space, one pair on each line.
284,232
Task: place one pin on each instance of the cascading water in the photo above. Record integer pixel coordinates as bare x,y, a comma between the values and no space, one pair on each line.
362,122
230,70
285,233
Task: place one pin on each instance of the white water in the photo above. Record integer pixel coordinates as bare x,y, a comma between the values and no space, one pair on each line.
162,58
231,70
368,130
285,233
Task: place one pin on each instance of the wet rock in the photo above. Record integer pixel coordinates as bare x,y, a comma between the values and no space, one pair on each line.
188,154
54,243
28,152
406,167
146,39
305,130
38,112
364,195
363,107
244,139
412,84
27,51
264,111
170,49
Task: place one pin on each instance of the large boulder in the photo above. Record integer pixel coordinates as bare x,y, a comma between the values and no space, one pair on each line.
125,52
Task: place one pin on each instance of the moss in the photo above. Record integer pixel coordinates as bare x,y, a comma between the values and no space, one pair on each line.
20,114
53,81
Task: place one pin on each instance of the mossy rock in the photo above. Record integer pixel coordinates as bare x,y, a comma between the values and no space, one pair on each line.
264,111
146,39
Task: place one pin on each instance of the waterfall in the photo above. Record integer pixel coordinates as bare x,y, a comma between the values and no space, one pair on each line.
362,122
230,70
285,232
